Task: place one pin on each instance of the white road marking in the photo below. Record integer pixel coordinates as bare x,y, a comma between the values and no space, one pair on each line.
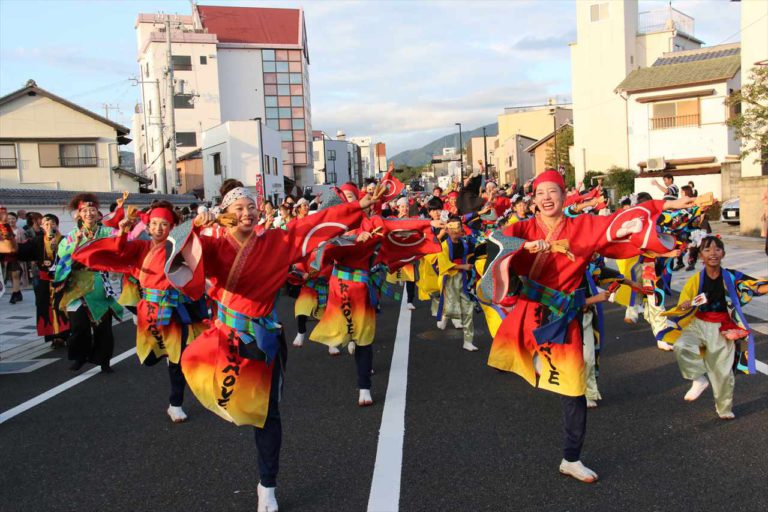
15,411
387,471
761,367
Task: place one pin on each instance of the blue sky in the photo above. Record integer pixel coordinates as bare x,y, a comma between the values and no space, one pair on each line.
402,71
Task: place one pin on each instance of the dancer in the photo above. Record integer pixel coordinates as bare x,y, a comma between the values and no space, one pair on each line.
236,367
167,320
540,339
428,284
704,333
456,263
87,296
42,249
406,273
12,266
311,301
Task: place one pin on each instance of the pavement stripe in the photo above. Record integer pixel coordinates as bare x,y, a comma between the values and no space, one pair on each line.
761,367
387,471
15,411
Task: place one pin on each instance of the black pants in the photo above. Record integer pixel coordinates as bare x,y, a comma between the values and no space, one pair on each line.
176,376
410,290
90,342
574,426
301,324
270,437
364,363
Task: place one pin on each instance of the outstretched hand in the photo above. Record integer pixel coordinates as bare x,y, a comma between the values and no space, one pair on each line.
680,203
369,199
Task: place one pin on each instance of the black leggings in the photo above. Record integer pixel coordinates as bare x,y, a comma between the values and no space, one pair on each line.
90,342
410,290
364,363
574,426
269,438
301,323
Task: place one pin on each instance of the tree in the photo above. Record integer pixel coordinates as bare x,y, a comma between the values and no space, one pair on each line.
751,119
621,180
564,140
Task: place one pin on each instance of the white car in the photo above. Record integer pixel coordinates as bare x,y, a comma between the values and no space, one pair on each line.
730,211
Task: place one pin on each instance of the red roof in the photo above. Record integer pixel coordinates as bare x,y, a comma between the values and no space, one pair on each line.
251,24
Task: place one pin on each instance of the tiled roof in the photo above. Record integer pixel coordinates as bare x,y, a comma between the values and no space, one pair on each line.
29,197
689,68
252,24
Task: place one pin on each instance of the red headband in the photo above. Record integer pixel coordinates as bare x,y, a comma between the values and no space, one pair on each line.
552,176
3,209
349,187
158,213
85,204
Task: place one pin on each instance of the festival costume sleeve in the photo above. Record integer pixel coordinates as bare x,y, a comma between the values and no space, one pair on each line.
305,235
406,240
113,254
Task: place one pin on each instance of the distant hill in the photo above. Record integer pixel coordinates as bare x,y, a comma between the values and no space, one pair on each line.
424,154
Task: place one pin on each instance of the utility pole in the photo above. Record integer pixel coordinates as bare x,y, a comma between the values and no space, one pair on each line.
148,121
171,110
461,154
108,107
485,153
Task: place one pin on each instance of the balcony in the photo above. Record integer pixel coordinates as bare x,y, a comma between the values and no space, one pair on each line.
8,163
665,19
664,123
80,161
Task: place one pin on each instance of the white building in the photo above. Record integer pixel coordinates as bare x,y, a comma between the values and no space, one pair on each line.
245,151
367,156
229,64
336,161
677,112
613,39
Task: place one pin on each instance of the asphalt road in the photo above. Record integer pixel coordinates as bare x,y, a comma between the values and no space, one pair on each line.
475,438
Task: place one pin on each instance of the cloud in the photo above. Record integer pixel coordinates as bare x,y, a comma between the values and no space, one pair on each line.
69,58
546,43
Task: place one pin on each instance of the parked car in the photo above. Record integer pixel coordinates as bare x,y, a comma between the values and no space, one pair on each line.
730,211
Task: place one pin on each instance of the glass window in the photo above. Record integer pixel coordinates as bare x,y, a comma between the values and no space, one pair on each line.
181,62
298,124
294,67
300,147
7,156
294,55
273,123
297,101
272,113
285,90
186,139
284,101
269,67
282,78
297,112
270,101
300,158
287,146
281,55
270,89
299,135
203,60
286,136
598,12
183,101
285,124
297,90
270,78
284,112
268,54
282,67
295,78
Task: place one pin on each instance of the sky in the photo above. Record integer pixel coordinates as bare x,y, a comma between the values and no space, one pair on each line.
401,71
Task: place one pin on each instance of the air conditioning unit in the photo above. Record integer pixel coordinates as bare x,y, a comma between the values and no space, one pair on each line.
657,164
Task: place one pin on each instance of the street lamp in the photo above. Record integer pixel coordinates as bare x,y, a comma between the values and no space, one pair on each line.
553,113
461,155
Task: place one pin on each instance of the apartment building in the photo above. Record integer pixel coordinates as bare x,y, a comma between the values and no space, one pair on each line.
228,64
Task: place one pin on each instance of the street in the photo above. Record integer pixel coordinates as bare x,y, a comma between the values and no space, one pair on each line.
475,438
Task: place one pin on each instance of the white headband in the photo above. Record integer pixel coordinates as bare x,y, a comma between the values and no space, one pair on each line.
235,194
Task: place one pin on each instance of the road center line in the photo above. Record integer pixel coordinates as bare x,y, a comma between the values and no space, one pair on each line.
387,471
15,411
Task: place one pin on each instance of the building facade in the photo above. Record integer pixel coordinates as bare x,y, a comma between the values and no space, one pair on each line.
336,161
249,151
229,64
613,39
367,155
477,147
47,142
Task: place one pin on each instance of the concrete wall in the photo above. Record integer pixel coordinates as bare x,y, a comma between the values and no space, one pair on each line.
241,83
324,167
754,48
750,191
703,182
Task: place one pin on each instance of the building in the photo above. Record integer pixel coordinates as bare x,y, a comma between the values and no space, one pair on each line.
368,159
381,159
228,64
541,149
477,147
513,163
248,151
47,142
336,161
446,167
531,122
677,113
189,174
613,39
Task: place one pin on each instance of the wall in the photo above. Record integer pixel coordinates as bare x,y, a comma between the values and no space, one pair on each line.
324,168
754,48
191,175
750,191
540,156
241,84
703,182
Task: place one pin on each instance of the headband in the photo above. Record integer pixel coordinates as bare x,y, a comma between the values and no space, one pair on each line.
86,204
158,213
349,187
550,175
235,194
3,209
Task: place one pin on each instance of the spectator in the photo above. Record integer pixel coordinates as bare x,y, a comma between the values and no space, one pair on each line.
694,192
670,190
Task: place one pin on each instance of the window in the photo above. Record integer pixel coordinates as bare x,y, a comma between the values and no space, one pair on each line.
183,101
181,62
146,70
203,60
675,114
598,12
67,155
297,101
274,165
186,139
216,164
316,154
734,107
178,176
7,156
145,158
150,107
265,165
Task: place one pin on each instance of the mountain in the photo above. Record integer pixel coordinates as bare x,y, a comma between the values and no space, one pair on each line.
424,154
